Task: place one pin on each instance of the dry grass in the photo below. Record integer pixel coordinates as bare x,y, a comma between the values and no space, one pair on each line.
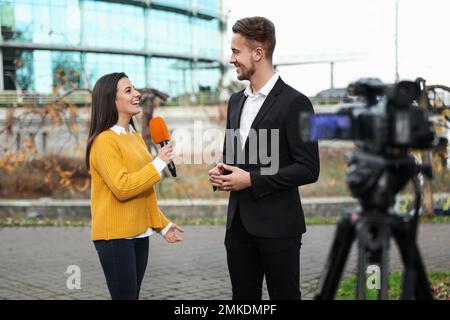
53,176
36,179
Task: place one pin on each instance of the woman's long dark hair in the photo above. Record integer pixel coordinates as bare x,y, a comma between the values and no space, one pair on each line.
104,113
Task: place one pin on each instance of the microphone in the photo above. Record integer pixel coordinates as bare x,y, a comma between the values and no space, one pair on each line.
160,135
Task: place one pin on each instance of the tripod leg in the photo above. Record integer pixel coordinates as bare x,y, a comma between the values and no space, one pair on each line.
362,267
408,284
337,257
383,294
423,289
373,242
373,235
415,279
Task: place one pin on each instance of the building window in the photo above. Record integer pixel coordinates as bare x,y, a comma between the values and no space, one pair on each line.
180,4
99,64
209,7
170,32
113,25
207,29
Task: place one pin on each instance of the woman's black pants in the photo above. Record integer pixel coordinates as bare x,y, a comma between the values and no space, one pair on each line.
124,262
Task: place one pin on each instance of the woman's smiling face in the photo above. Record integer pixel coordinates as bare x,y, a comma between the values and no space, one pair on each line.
127,98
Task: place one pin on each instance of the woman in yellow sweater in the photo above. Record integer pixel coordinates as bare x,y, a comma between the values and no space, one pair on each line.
123,173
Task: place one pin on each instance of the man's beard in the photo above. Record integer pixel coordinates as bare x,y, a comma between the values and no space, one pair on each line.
246,74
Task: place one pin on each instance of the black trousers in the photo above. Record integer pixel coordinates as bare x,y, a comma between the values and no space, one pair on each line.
251,258
124,262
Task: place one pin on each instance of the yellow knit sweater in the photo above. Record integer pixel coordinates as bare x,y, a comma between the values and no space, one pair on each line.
123,200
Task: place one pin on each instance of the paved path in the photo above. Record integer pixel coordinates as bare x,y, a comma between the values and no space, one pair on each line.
33,262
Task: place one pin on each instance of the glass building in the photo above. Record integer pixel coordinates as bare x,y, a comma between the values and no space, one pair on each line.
174,46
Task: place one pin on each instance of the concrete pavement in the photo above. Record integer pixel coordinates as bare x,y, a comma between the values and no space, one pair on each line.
34,261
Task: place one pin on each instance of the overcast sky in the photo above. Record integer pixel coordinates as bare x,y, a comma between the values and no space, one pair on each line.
360,29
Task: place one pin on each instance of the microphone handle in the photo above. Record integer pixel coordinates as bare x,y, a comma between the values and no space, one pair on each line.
171,165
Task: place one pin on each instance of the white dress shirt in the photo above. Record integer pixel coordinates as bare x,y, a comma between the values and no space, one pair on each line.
252,106
159,166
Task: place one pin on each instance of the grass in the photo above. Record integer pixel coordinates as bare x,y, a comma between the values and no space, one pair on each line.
435,219
184,221
439,282
84,222
43,222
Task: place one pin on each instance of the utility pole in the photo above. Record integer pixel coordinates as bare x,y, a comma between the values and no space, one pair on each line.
396,42
2,85
332,74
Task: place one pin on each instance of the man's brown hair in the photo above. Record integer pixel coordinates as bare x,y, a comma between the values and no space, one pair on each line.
257,29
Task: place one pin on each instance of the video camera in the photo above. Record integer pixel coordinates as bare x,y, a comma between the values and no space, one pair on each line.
388,119
387,125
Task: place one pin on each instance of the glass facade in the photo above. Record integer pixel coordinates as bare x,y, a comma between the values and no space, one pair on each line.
180,4
98,64
41,21
116,25
174,38
171,45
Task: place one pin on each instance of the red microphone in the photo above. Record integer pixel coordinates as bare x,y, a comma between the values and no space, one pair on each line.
160,135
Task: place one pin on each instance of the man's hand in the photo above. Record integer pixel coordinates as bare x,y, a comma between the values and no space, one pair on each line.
214,173
171,236
237,180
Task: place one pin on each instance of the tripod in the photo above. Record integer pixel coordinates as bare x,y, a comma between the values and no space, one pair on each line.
375,181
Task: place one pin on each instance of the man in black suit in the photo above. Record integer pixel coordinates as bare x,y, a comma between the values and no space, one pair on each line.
265,219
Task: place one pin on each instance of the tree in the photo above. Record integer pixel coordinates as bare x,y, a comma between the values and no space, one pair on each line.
428,101
19,153
151,99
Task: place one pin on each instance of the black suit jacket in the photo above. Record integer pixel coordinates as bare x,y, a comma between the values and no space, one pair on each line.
271,207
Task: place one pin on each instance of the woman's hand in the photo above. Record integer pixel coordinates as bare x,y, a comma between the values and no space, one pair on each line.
171,235
166,153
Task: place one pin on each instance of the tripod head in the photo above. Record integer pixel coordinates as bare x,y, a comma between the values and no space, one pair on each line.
375,179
